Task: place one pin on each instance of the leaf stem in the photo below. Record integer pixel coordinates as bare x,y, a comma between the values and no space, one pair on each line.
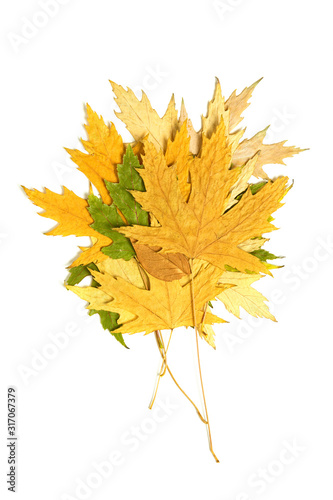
164,367
199,364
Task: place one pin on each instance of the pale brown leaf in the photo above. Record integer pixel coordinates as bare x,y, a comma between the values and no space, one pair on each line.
166,267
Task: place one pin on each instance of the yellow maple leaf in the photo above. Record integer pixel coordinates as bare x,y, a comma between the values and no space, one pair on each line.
200,228
243,295
165,305
105,150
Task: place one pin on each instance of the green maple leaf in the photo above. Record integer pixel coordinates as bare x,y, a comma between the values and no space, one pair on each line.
130,208
107,217
129,179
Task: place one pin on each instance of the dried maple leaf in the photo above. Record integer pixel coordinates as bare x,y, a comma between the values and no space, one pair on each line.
268,153
70,211
105,219
237,104
199,228
164,266
105,150
141,119
166,305
243,295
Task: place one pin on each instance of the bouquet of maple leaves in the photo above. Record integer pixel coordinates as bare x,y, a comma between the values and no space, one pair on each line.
176,223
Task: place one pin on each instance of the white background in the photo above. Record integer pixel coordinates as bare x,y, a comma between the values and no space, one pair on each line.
268,385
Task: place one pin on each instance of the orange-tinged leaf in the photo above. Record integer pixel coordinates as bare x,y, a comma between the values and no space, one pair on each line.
95,168
70,211
102,139
105,150
138,149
